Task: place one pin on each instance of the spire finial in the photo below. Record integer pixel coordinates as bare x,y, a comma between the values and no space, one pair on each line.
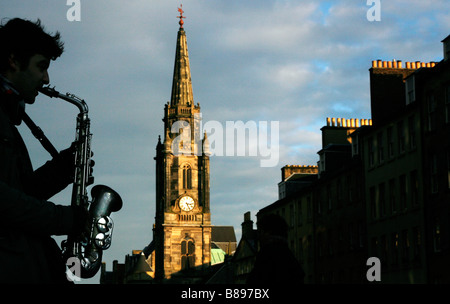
180,9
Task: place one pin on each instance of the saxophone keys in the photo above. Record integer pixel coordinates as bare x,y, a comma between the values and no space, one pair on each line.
103,241
104,224
104,228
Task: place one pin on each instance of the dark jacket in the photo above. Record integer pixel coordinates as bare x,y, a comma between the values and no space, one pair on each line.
27,251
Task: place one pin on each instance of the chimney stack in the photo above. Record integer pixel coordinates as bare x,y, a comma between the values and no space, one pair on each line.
446,45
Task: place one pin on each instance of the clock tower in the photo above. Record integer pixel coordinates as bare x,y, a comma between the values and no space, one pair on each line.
182,231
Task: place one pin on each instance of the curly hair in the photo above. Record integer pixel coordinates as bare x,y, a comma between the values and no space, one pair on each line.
24,39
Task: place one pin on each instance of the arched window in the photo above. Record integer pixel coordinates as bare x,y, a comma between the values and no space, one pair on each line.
187,253
187,176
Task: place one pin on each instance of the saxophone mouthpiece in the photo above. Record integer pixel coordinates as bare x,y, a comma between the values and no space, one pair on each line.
50,92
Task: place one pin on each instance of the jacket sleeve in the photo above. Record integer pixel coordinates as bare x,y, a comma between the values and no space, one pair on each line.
53,177
21,212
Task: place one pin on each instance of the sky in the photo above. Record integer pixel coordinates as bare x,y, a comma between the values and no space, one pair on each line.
295,62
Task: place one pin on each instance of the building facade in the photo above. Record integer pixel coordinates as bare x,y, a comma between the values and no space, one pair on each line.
392,152
430,90
325,211
383,186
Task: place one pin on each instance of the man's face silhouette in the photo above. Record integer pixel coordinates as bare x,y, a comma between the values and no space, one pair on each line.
28,80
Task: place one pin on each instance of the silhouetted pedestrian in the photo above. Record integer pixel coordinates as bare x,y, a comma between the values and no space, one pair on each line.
275,263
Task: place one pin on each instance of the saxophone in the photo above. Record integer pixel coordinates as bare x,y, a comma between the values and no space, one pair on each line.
88,246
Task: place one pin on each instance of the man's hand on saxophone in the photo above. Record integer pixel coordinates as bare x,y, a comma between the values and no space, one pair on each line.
67,158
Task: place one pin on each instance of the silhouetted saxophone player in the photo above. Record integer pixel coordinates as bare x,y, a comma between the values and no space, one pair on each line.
27,251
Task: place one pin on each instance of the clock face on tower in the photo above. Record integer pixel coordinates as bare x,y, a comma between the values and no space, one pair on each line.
186,203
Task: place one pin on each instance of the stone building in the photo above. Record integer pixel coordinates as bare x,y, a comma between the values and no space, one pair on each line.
392,152
383,185
429,88
183,236
325,209
182,231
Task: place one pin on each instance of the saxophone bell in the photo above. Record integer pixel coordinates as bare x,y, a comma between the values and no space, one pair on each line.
104,201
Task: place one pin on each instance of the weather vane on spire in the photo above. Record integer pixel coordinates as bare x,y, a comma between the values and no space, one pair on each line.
180,9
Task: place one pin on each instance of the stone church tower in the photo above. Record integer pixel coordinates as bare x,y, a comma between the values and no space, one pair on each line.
182,231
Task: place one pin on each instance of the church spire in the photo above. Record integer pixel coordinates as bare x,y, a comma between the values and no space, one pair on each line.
182,84
182,181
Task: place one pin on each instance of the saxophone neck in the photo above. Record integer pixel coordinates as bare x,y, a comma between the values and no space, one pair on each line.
71,98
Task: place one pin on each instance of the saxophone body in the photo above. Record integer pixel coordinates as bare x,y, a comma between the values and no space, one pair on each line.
89,245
